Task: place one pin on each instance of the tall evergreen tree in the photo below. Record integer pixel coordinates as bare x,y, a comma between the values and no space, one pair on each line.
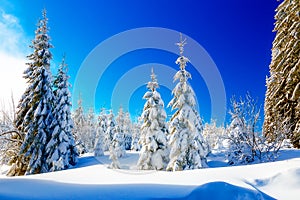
282,102
154,153
188,148
61,150
34,115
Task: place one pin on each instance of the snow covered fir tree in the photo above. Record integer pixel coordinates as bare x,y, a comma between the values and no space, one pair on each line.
61,150
35,112
154,152
35,115
136,134
127,131
188,150
110,131
118,140
282,101
80,127
43,116
101,131
90,134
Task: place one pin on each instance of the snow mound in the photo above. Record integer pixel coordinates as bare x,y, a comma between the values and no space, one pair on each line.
54,190
290,178
224,191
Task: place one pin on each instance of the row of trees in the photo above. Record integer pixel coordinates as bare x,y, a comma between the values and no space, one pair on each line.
176,146
241,141
97,134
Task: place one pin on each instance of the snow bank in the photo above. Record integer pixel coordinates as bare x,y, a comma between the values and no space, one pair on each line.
42,189
91,179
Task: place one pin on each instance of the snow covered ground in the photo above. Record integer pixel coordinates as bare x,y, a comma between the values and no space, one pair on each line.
92,179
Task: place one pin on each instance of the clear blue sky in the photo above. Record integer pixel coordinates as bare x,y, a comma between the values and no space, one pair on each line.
237,34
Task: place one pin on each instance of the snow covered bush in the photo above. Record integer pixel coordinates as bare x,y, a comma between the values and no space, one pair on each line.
154,152
10,138
246,144
240,152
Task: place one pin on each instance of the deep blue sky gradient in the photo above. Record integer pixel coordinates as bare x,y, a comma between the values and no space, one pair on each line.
236,33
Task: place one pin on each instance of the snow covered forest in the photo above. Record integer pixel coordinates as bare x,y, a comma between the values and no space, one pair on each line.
42,134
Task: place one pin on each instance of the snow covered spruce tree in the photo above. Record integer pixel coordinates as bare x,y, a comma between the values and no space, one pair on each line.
136,134
282,102
35,114
61,150
188,148
127,131
118,141
154,152
110,131
80,127
101,130
89,138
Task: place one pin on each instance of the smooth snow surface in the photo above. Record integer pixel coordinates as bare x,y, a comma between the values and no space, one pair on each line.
91,179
